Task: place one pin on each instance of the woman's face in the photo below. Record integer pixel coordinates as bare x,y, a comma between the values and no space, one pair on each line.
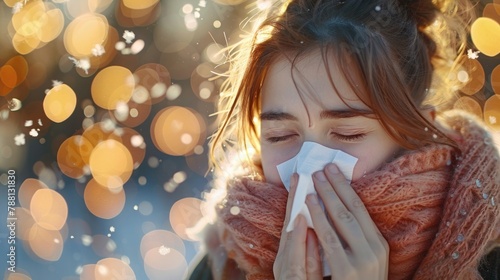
319,115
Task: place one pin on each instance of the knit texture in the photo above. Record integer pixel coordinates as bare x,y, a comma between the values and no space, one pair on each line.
436,207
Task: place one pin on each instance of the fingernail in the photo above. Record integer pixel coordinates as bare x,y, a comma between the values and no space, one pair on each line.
320,176
332,168
312,198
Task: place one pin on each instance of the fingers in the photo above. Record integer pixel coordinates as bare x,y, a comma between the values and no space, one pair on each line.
291,263
344,221
354,205
328,238
314,266
366,251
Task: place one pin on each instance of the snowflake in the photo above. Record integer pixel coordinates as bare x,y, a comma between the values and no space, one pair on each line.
19,139
33,132
492,119
98,50
163,250
83,63
129,36
472,54
28,123
56,83
112,229
40,122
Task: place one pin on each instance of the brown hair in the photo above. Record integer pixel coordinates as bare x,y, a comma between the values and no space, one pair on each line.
404,51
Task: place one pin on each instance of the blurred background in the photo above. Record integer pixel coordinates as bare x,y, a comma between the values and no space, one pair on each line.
105,111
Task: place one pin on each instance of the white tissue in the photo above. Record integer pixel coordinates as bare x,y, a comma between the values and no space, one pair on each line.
312,157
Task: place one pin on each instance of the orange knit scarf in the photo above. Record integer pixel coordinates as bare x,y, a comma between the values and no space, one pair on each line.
436,207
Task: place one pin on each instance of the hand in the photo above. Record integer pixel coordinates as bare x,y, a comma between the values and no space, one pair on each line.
352,245
298,255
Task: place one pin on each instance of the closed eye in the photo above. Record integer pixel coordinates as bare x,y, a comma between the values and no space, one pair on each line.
349,138
276,139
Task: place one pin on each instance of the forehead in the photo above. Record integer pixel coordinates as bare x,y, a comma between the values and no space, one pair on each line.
311,80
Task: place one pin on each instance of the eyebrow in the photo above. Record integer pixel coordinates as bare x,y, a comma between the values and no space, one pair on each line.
344,114
325,114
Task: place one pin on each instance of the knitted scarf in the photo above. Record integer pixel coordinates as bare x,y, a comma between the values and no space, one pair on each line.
436,207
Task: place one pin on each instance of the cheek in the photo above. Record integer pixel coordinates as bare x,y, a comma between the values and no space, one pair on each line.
271,157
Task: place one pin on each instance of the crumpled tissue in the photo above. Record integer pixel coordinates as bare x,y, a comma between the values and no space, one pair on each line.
312,157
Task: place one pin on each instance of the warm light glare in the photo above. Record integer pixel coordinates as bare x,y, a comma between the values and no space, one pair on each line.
485,34
111,164
27,189
184,214
172,127
46,244
473,76
470,105
111,86
158,238
83,33
59,103
165,263
73,155
102,201
492,111
49,209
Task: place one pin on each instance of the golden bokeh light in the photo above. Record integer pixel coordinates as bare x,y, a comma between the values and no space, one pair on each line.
16,276
12,74
112,85
470,105
88,272
177,130
24,223
139,4
36,24
102,201
99,132
49,209
497,5
492,10
492,111
495,80
158,238
165,263
201,83
27,189
137,12
10,3
84,33
111,268
135,144
73,156
46,244
184,214
59,103
155,78
111,164
136,112
472,76
485,34
8,77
